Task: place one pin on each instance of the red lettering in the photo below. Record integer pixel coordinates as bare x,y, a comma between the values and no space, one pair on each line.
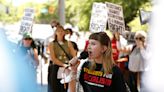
94,79
108,82
102,81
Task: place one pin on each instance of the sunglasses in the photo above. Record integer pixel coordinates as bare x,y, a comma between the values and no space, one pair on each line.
55,25
27,38
139,38
52,26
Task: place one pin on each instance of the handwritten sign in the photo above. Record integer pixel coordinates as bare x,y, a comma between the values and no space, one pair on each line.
98,17
27,21
115,17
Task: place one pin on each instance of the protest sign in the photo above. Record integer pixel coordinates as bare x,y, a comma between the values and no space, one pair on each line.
27,21
144,16
115,17
98,17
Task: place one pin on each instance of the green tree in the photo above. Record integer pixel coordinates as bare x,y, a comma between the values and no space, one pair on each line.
80,10
48,12
8,12
43,12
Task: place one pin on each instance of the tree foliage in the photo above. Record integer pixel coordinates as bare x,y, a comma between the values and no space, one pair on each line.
80,10
15,13
8,12
48,12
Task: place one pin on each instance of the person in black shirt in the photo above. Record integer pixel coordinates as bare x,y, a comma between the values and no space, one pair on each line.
99,73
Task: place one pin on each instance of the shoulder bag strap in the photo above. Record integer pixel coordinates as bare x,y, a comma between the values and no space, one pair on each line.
134,46
64,51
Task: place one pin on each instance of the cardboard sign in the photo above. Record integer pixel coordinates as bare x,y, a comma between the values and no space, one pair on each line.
98,17
27,21
115,17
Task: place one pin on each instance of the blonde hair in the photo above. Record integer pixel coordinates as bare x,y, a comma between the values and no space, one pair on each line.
107,57
142,33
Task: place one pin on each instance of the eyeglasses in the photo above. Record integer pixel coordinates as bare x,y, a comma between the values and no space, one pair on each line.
27,38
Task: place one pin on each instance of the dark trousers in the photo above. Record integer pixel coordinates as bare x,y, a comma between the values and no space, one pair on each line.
54,84
133,81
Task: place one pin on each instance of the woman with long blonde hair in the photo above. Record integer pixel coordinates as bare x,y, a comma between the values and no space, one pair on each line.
99,73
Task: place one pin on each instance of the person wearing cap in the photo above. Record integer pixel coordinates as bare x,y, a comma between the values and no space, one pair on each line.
15,74
28,54
28,50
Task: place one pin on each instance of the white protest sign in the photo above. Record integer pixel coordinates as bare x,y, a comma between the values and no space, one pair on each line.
27,21
98,17
115,17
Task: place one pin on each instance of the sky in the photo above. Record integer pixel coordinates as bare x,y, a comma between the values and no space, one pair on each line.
19,2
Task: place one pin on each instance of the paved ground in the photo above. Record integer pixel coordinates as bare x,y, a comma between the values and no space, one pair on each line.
43,88
42,76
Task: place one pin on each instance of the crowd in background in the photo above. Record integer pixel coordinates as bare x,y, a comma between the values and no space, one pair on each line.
121,55
128,53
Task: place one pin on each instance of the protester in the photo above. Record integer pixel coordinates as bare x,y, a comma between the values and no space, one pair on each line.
118,43
61,51
137,60
28,50
26,59
137,64
115,50
121,58
70,33
100,73
28,53
54,25
15,74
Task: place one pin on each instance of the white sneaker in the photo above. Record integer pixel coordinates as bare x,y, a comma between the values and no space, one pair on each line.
68,78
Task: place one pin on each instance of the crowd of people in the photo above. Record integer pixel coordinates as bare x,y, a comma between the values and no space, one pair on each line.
113,64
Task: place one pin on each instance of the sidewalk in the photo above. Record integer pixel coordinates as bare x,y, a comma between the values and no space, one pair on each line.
42,88
42,72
